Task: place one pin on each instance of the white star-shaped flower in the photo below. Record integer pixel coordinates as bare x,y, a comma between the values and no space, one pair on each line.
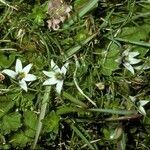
21,74
140,104
56,76
129,60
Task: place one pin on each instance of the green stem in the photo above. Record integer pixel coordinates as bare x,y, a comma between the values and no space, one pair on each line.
144,44
8,5
89,5
42,114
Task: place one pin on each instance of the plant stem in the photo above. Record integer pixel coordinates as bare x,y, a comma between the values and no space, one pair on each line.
77,86
42,114
144,44
8,5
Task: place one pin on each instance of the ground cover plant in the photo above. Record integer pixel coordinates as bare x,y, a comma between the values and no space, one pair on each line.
74,74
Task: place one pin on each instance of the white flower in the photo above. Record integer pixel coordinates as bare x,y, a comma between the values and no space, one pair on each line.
141,108
129,60
141,105
144,67
21,74
56,76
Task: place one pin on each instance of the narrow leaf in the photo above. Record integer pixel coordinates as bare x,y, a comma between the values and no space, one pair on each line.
82,136
73,99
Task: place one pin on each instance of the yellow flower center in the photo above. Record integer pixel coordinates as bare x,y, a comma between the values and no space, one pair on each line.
59,76
20,75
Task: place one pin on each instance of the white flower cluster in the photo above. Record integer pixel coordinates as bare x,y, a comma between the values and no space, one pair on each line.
56,76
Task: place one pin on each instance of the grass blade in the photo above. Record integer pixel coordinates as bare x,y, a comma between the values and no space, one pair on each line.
42,114
77,131
73,99
118,112
81,13
69,53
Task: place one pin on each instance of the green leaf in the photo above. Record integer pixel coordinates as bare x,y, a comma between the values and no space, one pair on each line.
110,64
77,131
66,109
51,122
135,33
145,8
27,100
19,140
69,53
38,60
30,122
73,99
5,146
6,61
39,14
10,122
87,7
119,112
106,133
30,133
141,50
81,35
123,141
5,105
30,119
78,4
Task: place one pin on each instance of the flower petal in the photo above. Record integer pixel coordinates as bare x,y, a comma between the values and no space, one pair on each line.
55,67
142,110
18,67
133,99
133,54
30,77
27,68
133,60
49,73
64,68
23,85
125,53
144,67
10,73
59,86
143,102
129,67
50,81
